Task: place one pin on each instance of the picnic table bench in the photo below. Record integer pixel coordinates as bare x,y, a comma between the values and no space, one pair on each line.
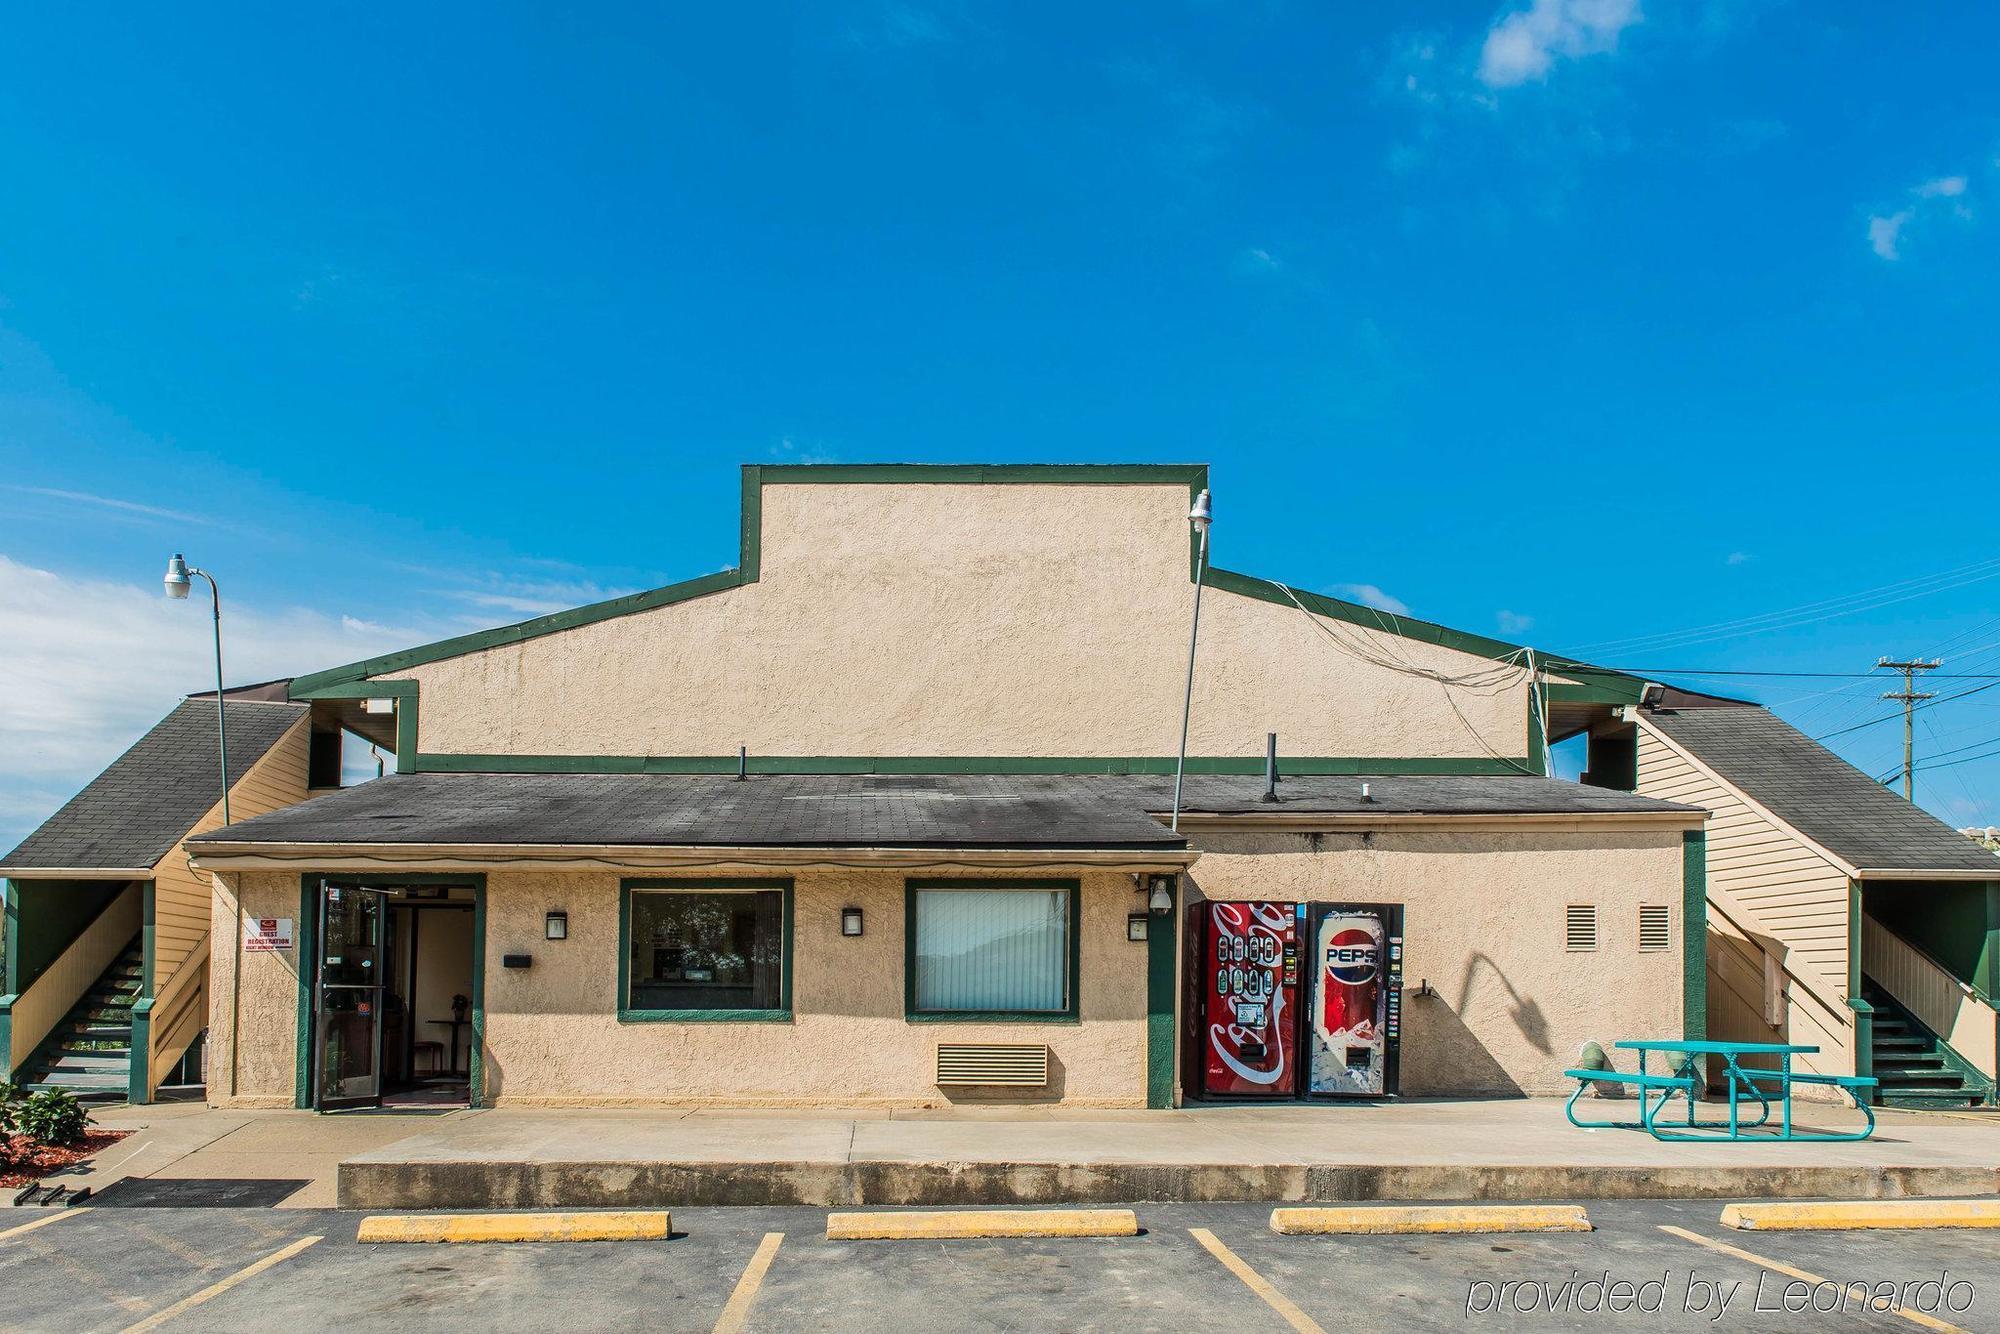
1686,1079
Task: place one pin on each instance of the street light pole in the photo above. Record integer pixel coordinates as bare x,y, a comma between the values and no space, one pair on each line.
179,574
1200,516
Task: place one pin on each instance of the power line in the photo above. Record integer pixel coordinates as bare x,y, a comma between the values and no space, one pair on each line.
1941,699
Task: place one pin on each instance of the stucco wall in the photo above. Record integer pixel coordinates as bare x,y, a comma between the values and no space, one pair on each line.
1483,922
973,620
266,1009
553,1036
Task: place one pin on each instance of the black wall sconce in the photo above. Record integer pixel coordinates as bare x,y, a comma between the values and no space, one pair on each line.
556,926
850,921
1135,926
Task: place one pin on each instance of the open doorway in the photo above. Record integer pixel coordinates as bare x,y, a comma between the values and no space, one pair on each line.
393,1022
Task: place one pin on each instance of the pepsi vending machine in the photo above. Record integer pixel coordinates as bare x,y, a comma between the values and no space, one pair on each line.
1355,1024
1299,999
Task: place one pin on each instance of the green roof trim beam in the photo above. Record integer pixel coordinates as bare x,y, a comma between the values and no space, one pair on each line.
965,764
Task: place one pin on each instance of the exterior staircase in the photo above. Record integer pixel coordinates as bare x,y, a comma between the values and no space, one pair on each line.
1913,1067
90,1052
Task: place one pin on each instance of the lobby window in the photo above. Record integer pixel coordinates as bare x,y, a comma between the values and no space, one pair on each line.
711,949
986,949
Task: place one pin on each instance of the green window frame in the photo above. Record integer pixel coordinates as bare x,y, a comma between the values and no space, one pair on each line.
627,1015
1067,1015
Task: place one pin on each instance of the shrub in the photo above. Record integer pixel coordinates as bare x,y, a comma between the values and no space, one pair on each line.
54,1117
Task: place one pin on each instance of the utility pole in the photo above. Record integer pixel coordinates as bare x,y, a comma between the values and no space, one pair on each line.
1909,695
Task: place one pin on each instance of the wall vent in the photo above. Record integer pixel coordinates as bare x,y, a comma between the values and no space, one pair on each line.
1012,1064
1580,927
1656,926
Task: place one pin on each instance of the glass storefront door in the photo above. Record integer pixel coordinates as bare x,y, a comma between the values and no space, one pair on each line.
352,965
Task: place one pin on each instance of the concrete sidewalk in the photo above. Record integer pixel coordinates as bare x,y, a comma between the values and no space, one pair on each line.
1521,1149
1514,1149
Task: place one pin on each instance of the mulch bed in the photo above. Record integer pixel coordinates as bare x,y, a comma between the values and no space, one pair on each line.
32,1162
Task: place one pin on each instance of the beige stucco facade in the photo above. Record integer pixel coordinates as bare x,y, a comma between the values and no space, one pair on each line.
1483,926
966,620
1484,913
950,620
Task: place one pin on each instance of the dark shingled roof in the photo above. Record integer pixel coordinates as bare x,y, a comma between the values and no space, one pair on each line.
1819,794
137,809
1026,811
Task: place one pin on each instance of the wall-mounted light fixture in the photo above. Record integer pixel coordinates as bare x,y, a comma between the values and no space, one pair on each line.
1161,897
556,926
850,921
1135,926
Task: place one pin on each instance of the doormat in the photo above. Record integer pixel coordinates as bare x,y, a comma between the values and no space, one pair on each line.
195,1193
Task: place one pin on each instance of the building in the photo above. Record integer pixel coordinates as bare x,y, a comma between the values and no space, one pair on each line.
884,815
1840,915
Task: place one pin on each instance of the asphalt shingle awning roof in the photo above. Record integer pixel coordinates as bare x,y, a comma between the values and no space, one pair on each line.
134,812
1102,811
1819,794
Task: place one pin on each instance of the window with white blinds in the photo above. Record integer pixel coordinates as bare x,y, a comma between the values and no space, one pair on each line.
1656,926
987,948
1580,927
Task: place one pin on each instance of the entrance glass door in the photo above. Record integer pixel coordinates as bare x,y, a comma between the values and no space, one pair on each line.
351,979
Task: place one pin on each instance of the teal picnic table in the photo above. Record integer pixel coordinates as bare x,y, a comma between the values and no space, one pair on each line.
1685,1078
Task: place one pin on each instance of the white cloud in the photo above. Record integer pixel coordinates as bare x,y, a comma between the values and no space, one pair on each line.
1738,558
1514,623
1888,231
1885,232
92,664
1368,595
1524,46
1255,260
109,502
1946,187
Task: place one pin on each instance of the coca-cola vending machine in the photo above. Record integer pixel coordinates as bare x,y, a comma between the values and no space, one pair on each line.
1287,985
1250,987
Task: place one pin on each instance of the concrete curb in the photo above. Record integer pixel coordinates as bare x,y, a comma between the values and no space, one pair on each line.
649,1225
1373,1220
1862,1215
982,1223
379,1184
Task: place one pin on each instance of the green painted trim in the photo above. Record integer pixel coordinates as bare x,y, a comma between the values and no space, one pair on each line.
1162,938
1596,688
963,764
781,1015
1694,935
1854,913
985,474
306,948
1407,627
475,1057
1069,1014
138,1080
10,966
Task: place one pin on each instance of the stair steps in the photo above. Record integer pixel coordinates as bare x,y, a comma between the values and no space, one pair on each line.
92,1055
1911,1068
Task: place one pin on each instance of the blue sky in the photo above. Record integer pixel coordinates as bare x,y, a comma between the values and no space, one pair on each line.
1568,320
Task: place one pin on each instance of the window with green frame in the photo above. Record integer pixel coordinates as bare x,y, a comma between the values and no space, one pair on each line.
695,950
991,949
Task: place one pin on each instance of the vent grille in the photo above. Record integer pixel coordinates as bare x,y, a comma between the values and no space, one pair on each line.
1580,927
1656,929
1013,1064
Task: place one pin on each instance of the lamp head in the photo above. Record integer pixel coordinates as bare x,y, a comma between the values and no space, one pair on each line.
177,581
1201,515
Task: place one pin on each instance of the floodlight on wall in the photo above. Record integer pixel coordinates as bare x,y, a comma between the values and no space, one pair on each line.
850,921
555,926
1161,900
1135,926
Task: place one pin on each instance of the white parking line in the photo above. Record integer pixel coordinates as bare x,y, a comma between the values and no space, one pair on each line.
158,1318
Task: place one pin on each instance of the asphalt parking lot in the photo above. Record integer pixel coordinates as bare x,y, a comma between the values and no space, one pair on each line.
116,1268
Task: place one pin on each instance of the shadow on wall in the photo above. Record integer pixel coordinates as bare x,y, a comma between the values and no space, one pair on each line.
1527,1015
1460,1064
